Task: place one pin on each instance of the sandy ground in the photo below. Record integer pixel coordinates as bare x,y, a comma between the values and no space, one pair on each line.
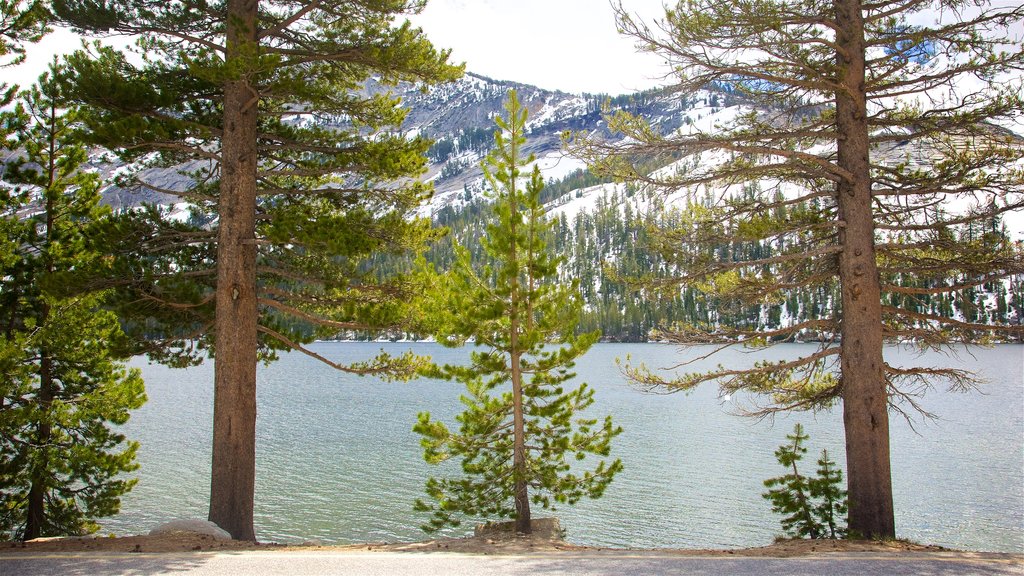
493,544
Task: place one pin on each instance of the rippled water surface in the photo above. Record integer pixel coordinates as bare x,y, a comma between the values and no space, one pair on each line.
337,459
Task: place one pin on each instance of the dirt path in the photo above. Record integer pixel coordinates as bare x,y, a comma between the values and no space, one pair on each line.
492,544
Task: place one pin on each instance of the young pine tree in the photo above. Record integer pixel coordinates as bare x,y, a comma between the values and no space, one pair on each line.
831,507
812,507
521,427
61,389
790,494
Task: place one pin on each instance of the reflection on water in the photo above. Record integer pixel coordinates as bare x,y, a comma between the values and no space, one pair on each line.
337,459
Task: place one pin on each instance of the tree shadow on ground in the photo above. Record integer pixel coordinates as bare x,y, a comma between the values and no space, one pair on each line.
100,564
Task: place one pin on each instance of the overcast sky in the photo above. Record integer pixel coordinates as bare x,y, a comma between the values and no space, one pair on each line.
568,45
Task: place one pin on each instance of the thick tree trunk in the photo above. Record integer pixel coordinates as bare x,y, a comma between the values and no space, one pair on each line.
234,415
865,406
522,497
36,513
36,516
519,463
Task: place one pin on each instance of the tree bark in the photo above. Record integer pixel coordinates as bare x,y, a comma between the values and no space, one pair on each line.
864,388
234,415
519,464
36,513
522,497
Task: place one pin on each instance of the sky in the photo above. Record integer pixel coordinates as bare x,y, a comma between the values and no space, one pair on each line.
568,45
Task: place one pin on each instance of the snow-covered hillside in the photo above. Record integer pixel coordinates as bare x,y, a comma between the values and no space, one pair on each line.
459,118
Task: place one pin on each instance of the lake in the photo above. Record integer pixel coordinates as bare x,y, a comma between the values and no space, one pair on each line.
337,459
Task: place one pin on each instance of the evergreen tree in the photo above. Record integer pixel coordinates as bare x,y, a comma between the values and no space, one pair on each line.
790,494
861,115
832,505
813,505
520,424
612,256
298,177
61,388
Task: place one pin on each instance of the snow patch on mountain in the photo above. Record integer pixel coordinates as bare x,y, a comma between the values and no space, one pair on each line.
556,165
582,201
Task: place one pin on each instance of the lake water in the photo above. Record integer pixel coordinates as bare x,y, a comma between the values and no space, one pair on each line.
337,459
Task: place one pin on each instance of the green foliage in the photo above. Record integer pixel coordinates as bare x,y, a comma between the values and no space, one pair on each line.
21,21
298,177
62,389
760,231
521,429
336,182
813,507
634,289
59,441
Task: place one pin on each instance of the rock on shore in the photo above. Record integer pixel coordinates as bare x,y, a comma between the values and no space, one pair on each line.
191,526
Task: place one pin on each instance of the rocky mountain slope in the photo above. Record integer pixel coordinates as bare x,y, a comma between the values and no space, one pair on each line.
599,226
459,117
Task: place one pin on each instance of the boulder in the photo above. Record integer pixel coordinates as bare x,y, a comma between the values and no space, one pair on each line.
188,526
543,529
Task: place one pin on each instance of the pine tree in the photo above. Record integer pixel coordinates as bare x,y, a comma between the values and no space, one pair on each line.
832,505
791,494
813,505
520,423
297,174
858,113
61,389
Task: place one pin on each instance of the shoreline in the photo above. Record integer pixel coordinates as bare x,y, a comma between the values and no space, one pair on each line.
511,545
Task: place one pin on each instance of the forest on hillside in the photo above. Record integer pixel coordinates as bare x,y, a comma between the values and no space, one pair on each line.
610,247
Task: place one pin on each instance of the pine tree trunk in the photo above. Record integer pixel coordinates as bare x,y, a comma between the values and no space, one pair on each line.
865,407
519,470
234,419
516,304
36,513
522,497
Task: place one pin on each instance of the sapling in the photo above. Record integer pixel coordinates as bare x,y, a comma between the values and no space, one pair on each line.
812,506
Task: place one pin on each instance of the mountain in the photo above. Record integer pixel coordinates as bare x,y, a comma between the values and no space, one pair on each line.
459,117
600,227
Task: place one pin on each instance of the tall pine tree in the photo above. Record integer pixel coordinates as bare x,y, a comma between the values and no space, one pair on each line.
520,424
880,123
62,390
297,176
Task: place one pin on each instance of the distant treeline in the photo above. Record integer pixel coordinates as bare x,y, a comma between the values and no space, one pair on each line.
608,246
